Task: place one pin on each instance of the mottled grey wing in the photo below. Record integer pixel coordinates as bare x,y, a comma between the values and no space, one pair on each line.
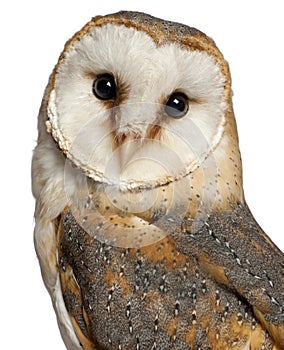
233,249
192,289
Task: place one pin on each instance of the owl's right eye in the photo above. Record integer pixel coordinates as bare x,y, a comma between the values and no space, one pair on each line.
177,105
104,87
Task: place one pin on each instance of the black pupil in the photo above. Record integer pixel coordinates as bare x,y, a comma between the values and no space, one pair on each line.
104,87
177,105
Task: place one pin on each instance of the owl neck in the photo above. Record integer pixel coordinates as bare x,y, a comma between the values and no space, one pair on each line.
205,190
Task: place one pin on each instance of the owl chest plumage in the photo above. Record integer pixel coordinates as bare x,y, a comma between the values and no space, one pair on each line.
167,295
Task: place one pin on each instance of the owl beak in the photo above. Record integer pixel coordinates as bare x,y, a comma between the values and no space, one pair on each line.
126,144
125,136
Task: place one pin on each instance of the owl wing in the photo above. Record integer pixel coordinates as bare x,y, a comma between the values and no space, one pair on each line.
71,294
75,259
229,247
233,249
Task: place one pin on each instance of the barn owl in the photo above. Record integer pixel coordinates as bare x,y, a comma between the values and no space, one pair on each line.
142,231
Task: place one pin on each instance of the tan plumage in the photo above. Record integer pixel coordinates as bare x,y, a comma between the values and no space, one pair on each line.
142,231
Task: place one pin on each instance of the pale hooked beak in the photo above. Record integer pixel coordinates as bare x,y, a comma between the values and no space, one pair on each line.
132,123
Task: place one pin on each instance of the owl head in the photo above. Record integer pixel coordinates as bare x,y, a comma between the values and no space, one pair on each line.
142,108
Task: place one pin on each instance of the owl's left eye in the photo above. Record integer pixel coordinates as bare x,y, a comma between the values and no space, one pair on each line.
177,105
104,87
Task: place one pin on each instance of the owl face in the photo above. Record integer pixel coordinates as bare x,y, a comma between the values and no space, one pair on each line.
125,101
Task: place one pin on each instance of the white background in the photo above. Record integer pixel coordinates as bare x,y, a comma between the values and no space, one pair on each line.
249,33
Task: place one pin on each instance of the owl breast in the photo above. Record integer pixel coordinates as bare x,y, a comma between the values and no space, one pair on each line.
154,297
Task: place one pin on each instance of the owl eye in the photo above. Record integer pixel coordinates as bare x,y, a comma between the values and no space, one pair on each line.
104,87
177,105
